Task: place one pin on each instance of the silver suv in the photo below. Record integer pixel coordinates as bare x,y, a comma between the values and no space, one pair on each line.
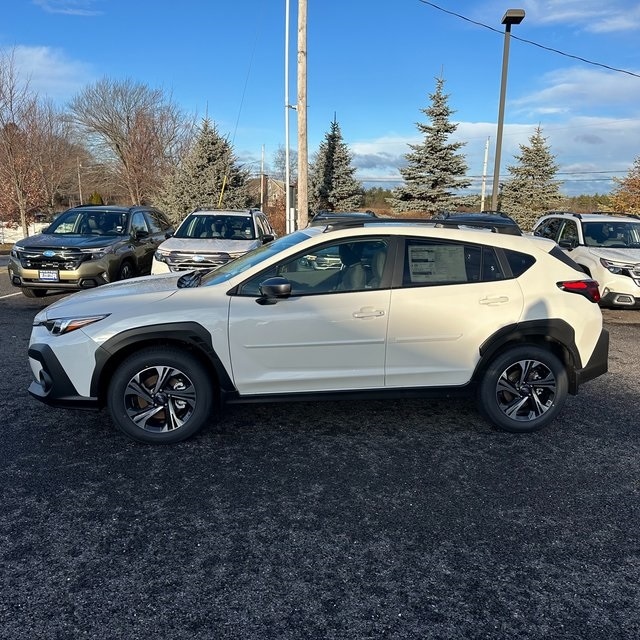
209,238
606,246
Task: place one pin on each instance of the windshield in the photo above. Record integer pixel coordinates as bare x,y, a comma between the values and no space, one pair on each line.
615,235
252,258
94,223
227,227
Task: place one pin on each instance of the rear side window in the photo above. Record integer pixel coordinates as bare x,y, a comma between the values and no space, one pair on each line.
520,262
428,263
549,228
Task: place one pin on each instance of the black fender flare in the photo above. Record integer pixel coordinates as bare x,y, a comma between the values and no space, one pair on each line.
551,330
190,334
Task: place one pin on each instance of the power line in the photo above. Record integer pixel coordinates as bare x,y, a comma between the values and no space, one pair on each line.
535,44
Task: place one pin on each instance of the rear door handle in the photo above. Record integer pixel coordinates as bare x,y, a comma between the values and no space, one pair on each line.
494,300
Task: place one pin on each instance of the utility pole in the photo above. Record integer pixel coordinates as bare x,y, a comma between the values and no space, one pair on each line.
287,106
484,174
303,153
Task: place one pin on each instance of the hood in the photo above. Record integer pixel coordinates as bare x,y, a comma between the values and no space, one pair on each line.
67,241
208,245
109,297
616,255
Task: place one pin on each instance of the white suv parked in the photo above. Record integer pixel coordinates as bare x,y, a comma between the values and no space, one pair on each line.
607,248
207,238
415,309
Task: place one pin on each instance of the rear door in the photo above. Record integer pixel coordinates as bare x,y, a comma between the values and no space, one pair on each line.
452,297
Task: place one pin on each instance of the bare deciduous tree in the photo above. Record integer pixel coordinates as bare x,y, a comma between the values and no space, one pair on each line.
135,127
18,106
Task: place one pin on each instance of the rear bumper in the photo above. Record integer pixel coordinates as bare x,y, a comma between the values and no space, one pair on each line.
598,364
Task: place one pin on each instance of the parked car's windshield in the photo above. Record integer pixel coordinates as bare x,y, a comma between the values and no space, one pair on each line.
617,235
250,259
98,223
217,226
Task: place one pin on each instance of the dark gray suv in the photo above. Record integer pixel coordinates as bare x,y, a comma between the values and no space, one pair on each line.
88,246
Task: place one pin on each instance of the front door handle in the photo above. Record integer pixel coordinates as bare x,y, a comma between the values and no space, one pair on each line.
368,312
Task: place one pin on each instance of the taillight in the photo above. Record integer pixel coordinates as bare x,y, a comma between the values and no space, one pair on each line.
587,288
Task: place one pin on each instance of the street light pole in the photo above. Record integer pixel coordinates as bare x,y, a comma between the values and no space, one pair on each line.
511,16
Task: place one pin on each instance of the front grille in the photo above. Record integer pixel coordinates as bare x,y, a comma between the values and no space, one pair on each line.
190,261
63,259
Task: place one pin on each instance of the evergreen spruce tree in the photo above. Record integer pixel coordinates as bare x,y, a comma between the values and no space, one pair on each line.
626,194
532,189
435,170
208,171
332,186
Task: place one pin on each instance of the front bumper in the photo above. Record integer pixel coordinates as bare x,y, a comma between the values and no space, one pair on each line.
613,299
52,386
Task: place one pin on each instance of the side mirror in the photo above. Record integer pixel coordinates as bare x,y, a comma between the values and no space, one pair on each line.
267,237
274,289
568,244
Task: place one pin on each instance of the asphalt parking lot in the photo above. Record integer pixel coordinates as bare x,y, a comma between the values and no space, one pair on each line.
399,519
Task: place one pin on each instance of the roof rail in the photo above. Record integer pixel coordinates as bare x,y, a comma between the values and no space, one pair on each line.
449,223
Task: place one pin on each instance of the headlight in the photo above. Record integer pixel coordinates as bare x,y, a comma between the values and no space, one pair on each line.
60,326
98,253
616,267
161,256
15,251
235,254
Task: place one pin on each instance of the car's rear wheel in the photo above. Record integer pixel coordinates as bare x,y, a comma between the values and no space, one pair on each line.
523,389
160,396
34,293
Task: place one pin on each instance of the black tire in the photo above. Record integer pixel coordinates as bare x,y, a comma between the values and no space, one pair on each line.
160,396
126,270
523,389
34,293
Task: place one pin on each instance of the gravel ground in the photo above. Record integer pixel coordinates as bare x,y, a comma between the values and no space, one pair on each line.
406,519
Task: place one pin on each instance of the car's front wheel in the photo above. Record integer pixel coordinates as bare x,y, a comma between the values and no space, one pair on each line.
523,389
126,270
160,396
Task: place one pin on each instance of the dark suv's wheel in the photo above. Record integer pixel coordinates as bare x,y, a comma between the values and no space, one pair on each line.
523,389
126,270
33,293
160,396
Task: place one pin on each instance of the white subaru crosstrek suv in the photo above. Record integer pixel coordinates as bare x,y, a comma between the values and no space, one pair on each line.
607,248
208,238
417,308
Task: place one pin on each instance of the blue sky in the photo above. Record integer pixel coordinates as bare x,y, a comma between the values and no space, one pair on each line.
372,63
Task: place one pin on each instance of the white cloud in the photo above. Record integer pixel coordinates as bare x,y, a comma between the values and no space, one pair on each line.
580,88
50,73
588,150
593,16
69,7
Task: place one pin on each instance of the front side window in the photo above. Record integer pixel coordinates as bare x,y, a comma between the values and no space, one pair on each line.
569,233
347,265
